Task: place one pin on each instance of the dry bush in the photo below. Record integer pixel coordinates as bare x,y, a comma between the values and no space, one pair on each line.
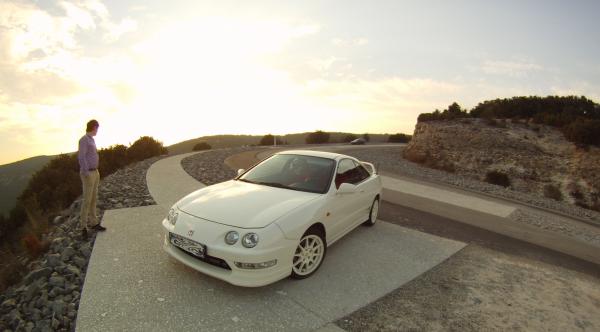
551,191
497,178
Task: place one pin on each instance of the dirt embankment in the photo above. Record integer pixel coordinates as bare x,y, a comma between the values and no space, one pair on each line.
536,158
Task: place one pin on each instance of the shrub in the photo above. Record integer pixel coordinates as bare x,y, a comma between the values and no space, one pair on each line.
453,111
552,192
318,137
399,138
498,178
269,140
202,146
366,137
583,132
33,245
144,148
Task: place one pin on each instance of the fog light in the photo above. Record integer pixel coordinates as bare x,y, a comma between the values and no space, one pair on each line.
255,266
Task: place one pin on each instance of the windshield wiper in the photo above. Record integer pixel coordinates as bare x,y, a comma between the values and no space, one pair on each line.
244,180
276,184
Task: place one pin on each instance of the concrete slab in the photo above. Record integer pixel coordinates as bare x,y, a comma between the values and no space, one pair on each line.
132,285
448,197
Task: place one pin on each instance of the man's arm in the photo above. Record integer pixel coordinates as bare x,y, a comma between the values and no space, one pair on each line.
81,156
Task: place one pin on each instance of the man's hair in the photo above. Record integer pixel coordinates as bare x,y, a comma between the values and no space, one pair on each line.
91,125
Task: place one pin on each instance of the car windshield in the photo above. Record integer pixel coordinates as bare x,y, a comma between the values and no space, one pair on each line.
291,171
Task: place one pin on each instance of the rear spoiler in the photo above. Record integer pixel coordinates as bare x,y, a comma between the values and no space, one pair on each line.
370,167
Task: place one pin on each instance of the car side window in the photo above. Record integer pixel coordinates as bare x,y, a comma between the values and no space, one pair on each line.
350,172
361,172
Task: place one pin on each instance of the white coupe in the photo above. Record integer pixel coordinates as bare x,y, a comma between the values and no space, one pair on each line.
275,219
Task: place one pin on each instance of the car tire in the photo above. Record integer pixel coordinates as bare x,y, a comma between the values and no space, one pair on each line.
309,254
373,213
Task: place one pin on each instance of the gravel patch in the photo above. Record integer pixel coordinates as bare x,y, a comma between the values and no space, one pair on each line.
209,167
390,159
47,299
557,225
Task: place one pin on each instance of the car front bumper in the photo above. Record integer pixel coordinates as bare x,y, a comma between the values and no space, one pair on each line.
212,235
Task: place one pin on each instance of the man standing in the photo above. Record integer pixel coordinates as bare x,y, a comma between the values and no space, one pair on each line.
90,177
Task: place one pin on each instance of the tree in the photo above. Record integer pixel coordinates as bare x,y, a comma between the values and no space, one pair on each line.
318,137
269,140
399,138
366,137
202,146
349,138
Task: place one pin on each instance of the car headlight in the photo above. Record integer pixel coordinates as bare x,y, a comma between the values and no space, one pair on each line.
172,216
250,240
232,237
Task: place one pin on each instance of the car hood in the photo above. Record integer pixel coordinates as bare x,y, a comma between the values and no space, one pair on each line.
242,204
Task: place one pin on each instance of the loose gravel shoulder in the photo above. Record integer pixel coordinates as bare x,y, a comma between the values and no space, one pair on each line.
47,298
209,167
390,160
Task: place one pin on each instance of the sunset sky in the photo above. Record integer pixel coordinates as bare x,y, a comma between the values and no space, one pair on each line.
177,70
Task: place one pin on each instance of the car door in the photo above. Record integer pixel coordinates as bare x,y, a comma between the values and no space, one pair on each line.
367,189
342,206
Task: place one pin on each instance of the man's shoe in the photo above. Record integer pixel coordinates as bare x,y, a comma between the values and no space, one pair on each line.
99,228
84,234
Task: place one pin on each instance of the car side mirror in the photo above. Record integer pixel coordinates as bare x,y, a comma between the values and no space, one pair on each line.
346,188
240,171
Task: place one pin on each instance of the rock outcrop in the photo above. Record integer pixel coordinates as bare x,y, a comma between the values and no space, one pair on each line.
536,158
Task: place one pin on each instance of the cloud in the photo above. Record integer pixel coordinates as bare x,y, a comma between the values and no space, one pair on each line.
350,42
512,68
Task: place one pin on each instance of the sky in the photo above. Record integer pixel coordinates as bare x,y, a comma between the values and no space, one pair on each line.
177,70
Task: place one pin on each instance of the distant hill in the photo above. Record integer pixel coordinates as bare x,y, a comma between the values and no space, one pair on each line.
14,178
225,141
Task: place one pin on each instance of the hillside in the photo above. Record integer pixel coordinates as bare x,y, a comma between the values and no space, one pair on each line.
14,178
536,158
226,141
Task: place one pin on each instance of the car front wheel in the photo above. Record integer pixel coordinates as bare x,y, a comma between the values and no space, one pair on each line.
309,255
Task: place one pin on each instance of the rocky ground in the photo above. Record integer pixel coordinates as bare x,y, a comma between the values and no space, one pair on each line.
47,298
209,167
494,284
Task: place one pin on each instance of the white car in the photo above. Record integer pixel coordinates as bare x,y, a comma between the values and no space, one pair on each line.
274,220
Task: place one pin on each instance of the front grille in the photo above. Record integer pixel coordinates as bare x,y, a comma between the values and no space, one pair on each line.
208,259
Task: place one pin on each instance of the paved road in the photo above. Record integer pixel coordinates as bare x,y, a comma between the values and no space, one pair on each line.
131,284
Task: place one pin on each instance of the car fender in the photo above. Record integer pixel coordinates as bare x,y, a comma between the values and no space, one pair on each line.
295,223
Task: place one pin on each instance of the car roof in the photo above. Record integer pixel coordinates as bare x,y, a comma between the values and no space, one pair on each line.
322,154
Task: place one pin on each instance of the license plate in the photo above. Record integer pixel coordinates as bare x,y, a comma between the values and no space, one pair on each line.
191,246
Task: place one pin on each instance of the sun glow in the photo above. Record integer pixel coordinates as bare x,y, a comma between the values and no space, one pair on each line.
213,76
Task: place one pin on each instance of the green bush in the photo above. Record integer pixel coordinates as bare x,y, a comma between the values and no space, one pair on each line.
551,191
318,137
269,140
144,148
202,146
577,117
498,178
583,132
399,138
453,111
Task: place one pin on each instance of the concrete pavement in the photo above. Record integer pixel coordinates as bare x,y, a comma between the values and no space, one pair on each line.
131,284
